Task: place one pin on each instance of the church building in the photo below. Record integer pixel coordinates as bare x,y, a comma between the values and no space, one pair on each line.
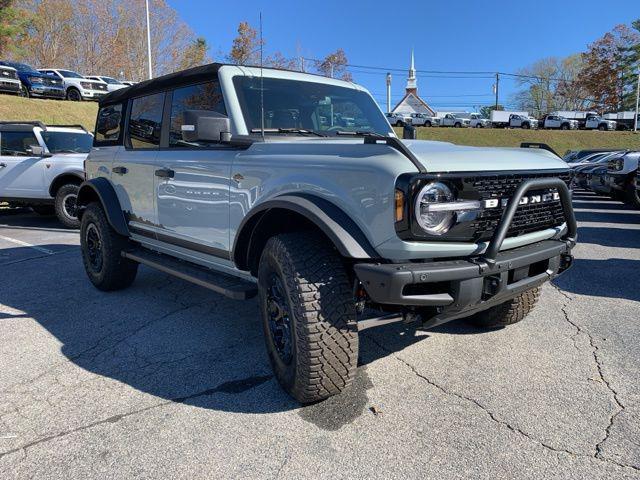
411,102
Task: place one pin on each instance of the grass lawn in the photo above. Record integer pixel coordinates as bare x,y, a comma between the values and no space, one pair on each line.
560,141
48,111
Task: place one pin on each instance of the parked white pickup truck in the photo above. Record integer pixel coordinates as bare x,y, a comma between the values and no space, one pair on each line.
422,120
560,123
478,121
451,120
42,167
596,122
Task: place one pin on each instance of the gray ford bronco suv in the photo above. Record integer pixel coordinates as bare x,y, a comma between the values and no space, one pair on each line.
294,187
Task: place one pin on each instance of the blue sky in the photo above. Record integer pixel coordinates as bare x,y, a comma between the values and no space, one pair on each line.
447,36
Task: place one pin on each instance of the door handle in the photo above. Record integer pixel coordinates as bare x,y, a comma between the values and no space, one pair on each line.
165,173
119,170
3,165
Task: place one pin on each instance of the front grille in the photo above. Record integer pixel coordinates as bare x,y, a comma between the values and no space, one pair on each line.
6,73
528,218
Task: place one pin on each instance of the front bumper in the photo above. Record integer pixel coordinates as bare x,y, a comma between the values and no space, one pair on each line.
458,288
92,94
10,86
47,91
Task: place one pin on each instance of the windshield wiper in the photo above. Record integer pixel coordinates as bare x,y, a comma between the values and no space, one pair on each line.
301,131
359,133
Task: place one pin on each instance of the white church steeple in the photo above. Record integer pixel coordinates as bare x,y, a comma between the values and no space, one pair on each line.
412,83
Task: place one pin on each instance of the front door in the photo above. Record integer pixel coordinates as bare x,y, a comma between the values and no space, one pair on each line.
22,175
192,188
134,167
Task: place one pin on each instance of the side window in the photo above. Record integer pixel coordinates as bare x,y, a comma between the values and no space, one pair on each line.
145,121
108,125
205,96
17,143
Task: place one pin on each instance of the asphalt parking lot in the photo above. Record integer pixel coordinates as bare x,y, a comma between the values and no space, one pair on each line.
166,380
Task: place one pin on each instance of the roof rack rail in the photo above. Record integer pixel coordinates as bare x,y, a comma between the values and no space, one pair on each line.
541,146
35,123
77,125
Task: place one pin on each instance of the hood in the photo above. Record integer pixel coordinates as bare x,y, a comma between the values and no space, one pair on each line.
71,158
447,157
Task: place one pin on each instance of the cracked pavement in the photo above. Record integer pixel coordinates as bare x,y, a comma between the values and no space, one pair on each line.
167,380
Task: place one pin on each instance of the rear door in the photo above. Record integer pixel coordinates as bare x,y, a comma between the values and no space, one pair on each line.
133,167
193,199
21,173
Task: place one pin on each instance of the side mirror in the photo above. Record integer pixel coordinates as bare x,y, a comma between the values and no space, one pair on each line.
205,126
37,151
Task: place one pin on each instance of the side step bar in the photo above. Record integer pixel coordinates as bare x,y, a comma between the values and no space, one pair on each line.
227,285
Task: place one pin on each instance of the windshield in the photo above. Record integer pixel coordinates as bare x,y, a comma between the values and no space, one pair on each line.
69,74
110,81
21,67
67,142
309,106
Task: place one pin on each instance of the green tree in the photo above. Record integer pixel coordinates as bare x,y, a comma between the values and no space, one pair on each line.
487,109
195,54
14,22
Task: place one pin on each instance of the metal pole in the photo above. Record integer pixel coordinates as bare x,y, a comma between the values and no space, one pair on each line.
388,92
331,65
635,125
497,84
149,41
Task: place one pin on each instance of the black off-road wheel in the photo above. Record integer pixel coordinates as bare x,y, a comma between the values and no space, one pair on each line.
102,250
65,205
308,316
507,313
631,196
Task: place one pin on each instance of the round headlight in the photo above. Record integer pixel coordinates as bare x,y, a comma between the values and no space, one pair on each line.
431,220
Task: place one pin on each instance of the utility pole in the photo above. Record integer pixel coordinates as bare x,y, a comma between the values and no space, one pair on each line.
497,88
149,41
302,64
331,65
635,125
388,92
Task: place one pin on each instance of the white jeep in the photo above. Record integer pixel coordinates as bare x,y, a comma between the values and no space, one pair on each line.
42,167
77,86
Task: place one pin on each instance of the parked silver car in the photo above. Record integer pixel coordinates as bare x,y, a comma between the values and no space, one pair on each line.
293,187
41,166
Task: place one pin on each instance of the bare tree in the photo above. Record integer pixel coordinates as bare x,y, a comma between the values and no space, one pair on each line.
335,65
106,36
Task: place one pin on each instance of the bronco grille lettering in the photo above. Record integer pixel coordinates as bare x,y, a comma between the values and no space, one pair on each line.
529,200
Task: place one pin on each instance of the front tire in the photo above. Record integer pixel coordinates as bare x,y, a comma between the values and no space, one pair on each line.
507,313
564,126
631,197
309,316
73,94
65,205
102,249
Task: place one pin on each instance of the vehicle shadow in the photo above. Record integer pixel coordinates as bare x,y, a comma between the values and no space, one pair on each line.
170,339
610,237
28,220
616,278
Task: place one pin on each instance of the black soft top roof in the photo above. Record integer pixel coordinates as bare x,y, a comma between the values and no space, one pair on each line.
171,80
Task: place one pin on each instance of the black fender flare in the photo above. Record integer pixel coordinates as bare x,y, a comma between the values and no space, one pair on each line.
79,174
347,237
102,189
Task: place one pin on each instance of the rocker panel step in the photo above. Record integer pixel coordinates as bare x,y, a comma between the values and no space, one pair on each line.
227,285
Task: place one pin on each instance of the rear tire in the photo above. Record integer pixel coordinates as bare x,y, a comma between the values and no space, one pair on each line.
309,316
602,128
507,313
102,250
564,126
65,205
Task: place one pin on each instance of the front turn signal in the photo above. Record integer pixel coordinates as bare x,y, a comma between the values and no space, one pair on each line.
399,205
